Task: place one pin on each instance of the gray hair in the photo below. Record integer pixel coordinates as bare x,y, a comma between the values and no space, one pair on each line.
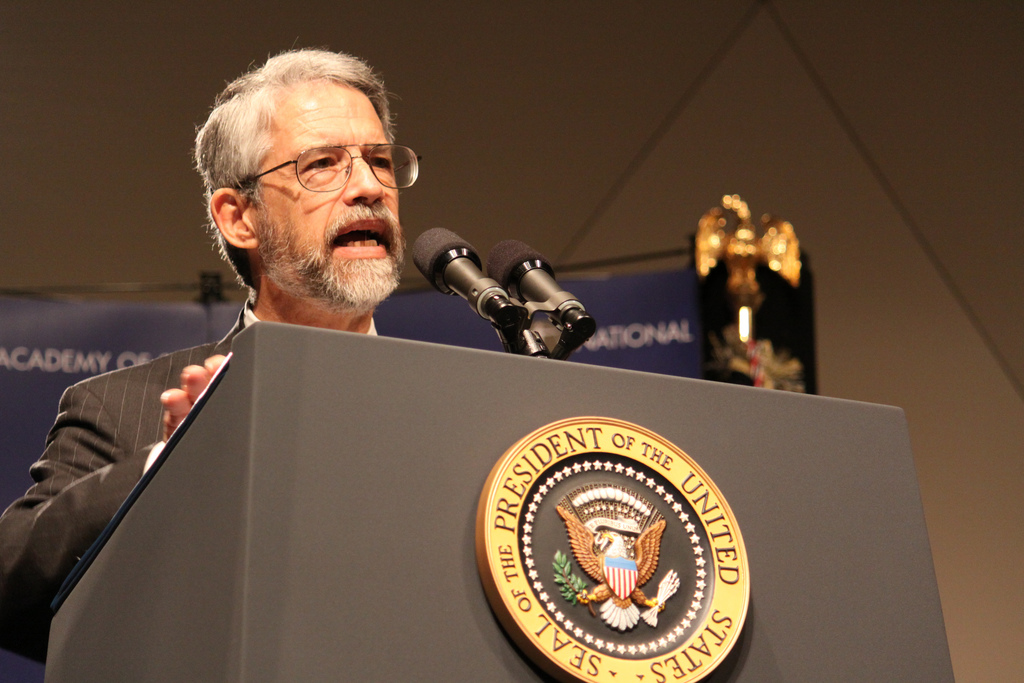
232,143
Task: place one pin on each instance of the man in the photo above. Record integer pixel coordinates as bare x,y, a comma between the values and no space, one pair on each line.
302,185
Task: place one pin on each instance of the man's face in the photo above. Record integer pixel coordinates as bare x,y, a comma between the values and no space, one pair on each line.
341,249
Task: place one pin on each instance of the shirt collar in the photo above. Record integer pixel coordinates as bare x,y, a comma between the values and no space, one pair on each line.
249,318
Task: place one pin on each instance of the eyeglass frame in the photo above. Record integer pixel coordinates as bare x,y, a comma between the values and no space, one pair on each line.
251,180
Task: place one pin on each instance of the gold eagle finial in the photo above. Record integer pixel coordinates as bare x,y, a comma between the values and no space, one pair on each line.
742,250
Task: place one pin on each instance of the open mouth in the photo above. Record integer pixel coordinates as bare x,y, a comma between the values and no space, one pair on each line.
360,238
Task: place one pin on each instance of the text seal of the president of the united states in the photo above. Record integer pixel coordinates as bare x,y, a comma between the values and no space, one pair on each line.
608,554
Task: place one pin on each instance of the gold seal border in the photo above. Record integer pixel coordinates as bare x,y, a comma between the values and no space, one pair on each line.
504,575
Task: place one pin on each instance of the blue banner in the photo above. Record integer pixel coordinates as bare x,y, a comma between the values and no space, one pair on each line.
646,322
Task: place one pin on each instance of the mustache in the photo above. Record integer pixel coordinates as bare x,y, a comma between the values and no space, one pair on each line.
391,229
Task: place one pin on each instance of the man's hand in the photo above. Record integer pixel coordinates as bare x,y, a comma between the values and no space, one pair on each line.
178,402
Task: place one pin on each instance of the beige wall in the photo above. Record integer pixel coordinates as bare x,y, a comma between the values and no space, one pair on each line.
891,138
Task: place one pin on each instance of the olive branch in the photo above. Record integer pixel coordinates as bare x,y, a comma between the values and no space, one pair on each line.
569,584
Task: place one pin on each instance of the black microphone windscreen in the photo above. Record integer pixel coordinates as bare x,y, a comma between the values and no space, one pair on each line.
506,256
431,245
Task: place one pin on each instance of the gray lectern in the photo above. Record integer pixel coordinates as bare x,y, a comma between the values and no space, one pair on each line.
316,522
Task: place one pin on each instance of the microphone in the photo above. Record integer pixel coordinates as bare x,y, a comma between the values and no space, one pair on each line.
527,275
452,266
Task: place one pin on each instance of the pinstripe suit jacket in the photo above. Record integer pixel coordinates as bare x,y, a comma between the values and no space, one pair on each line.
94,456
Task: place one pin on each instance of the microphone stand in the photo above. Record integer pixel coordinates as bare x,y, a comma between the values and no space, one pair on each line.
512,323
575,326
518,337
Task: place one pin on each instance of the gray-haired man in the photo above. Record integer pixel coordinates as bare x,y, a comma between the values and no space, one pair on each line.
302,181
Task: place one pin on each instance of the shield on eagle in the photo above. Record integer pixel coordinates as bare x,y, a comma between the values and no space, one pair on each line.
621,574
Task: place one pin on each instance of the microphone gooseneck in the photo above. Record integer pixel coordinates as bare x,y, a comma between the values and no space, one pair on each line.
452,266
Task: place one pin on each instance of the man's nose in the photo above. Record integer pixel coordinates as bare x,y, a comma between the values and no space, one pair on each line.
362,186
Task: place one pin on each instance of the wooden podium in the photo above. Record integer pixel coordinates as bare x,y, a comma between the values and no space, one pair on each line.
316,522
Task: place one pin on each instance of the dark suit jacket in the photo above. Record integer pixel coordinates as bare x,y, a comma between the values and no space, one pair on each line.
95,454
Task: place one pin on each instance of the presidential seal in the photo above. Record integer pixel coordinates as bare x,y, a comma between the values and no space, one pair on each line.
608,554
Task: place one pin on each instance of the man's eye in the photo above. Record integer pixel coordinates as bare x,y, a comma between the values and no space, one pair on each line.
319,164
384,163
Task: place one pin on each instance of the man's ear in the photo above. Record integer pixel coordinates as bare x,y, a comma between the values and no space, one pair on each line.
234,215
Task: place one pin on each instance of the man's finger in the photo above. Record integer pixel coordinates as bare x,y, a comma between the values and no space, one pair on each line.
213,363
176,406
178,402
194,379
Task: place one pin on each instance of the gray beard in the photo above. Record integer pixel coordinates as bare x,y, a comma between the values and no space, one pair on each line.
355,286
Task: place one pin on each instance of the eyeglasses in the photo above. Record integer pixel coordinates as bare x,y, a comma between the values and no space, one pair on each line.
325,169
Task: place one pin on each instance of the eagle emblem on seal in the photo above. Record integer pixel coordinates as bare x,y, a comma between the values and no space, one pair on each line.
615,537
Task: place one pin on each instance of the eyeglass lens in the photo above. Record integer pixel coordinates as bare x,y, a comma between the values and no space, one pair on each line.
327,168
